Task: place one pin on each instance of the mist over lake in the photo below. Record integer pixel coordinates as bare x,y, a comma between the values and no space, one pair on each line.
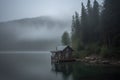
32,25
32,34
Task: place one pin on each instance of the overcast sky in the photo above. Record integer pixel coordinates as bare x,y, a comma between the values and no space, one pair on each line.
17,9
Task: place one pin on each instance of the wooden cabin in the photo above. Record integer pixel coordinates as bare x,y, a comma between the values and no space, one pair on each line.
62,54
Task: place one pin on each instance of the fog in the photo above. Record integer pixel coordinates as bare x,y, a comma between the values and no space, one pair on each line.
35,24
40,33
18,9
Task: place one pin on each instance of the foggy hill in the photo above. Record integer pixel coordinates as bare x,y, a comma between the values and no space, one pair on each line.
36,22
39,33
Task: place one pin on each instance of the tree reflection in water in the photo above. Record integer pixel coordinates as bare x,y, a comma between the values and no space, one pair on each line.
77,71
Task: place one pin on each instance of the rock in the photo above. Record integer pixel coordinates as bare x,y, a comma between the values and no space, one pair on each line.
95,61
79,60
105,62
90,58
118,62
87,58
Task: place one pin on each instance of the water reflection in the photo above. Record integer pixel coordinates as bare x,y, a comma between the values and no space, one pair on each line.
37,66
65,69
77,71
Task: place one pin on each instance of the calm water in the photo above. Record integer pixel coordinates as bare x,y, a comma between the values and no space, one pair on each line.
37,66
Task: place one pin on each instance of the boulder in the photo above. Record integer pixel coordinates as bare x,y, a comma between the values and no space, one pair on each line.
105,62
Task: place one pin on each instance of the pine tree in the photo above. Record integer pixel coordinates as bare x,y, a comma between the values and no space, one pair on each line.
73,33
111,25
96,13
75,30
96,21
77,24
73,25
84,25
65,38
89,27
89,12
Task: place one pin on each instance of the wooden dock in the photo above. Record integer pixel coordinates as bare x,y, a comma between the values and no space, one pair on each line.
53,60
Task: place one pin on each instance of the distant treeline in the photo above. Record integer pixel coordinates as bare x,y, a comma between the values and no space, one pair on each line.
97,30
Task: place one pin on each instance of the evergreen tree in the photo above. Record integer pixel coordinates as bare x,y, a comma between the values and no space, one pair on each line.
89,12
96,13
76,31
73,35
89,27
77,25
96,26
96,21
73,25
84,25
65,38
111,25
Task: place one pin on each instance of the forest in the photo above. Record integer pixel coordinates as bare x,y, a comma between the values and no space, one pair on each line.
96,30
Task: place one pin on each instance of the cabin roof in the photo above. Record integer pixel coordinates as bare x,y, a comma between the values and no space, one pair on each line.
61,48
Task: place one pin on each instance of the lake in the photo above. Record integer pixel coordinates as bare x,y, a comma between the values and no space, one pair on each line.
38,66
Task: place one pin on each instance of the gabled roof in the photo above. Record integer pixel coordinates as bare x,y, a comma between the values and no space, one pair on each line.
61,48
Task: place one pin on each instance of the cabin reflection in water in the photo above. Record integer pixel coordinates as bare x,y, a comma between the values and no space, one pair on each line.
65,69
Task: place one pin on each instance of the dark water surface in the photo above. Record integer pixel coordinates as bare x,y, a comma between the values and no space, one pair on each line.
37,66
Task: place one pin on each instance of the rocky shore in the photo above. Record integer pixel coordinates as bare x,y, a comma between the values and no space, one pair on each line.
98,60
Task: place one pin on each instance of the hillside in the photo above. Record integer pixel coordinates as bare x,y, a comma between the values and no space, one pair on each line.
23,34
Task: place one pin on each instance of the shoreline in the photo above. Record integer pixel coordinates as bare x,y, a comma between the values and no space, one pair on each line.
98,60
